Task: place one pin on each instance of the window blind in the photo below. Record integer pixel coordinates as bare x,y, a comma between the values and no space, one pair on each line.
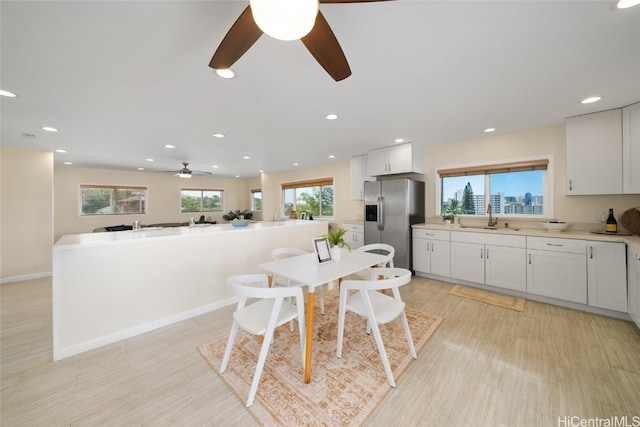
310,183
530,165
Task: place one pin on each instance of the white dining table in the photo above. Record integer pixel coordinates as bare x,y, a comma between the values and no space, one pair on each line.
305,269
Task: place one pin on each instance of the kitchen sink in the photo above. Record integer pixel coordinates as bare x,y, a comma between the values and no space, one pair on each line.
489,228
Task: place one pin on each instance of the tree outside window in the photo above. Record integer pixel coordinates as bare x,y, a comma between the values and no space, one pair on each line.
514,188
314,197
112,200
198,200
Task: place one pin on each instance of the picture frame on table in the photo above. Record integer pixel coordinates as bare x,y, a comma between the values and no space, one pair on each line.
303,215
322,250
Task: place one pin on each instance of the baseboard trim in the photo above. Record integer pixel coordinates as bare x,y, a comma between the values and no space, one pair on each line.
24,277
72,350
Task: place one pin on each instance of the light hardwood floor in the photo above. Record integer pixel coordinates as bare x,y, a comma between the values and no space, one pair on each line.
484,366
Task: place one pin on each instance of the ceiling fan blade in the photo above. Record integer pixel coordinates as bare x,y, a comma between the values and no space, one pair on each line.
241,36
324,46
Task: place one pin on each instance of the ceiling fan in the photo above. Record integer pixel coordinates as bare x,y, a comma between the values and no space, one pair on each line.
314,31
185,172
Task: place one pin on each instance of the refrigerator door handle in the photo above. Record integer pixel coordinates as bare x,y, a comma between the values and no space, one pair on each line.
380,213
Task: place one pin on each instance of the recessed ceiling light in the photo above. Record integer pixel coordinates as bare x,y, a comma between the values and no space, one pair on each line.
623,4
140,169
331,116
68,163
260,171
49,129
7,94
169,146
225,73
215,166
399,140
489,130
149,160
331,156
237,176
591,100
59,150
296,164
246,157
219,135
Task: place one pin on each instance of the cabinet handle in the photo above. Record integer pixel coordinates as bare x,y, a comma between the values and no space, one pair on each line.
431,246
555,244
591,252
529,259
487,253
481,253
570,185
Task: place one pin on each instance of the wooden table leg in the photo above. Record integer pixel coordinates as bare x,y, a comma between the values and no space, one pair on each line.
270,279
309,339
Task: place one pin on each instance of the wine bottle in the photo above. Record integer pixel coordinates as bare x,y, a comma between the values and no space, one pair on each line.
611,226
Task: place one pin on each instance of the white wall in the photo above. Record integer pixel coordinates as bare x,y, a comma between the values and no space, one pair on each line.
344,207
26,208
529,143
163,197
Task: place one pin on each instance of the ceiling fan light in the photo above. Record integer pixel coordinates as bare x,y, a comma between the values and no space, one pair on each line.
184,175
285,19
624,4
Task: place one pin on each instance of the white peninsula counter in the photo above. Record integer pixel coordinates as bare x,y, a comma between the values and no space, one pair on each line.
111,286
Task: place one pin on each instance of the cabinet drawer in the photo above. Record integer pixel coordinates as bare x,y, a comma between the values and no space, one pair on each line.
356,228
573,246
421,233
490,239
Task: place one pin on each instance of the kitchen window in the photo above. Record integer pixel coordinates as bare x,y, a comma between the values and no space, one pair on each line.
201,200
314,197
520,189
112,200
256,200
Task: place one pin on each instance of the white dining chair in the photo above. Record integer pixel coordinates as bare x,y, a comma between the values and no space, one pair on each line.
281,253
378,248
262,317
377,307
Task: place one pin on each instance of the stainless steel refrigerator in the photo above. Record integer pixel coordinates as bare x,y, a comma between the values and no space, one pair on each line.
391,206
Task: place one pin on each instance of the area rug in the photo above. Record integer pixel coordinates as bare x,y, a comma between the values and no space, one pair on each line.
504,301
342,391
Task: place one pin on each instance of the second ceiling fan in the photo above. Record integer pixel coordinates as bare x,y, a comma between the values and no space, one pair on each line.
252,23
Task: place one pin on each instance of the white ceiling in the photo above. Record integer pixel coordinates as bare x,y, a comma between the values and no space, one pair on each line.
120,79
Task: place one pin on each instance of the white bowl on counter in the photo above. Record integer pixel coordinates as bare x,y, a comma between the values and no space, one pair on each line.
555,225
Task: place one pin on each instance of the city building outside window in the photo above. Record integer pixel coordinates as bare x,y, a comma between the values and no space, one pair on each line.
514,189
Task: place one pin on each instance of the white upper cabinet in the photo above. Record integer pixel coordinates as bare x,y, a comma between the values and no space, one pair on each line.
359,176
594,153
401,158
631,149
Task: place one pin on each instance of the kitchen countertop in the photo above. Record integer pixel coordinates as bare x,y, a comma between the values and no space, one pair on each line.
573,234
159,233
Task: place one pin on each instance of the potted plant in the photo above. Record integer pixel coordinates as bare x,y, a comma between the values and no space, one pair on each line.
336,240
237,214
453,209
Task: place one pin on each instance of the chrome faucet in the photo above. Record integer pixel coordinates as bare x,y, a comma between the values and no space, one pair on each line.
491,221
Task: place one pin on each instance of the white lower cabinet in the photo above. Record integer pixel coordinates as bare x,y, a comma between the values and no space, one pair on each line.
557,268
633,280
354,235
607,275
431,252
492,259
